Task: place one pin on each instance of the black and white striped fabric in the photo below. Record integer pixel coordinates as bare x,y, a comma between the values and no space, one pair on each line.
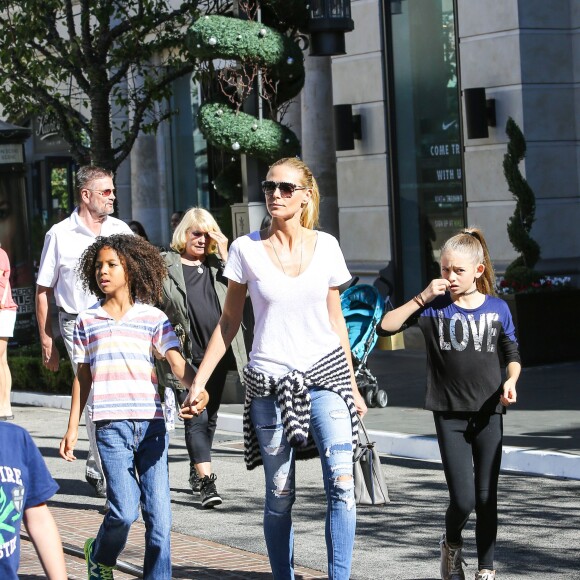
331,372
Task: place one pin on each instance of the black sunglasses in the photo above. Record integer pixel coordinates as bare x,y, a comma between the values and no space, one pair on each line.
286,189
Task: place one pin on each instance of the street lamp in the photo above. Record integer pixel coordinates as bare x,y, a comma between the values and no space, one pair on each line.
329,20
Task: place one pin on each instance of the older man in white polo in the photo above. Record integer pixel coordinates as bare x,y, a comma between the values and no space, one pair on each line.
63,246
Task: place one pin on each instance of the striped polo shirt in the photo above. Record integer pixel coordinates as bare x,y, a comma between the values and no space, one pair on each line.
120,354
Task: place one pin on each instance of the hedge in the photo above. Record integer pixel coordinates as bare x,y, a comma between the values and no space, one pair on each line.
29,374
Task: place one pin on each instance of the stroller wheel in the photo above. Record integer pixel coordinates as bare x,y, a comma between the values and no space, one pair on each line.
382,398
370,398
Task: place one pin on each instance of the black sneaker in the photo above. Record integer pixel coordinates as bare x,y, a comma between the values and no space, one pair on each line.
209,495
194,481
98,485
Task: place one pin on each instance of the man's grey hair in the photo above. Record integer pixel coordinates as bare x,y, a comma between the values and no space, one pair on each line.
87,174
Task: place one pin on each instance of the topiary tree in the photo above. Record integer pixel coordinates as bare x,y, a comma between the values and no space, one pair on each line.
520,273
262,55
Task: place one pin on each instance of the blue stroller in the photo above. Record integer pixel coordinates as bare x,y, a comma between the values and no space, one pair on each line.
362,307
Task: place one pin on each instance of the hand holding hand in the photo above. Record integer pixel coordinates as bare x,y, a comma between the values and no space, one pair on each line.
194,404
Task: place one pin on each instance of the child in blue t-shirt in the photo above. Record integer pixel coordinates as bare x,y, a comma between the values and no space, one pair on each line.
25,486
115,344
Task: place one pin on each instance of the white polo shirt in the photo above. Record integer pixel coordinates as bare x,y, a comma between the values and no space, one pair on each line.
64,244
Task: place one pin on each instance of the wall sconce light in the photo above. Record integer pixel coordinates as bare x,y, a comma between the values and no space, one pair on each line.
347,127
479,113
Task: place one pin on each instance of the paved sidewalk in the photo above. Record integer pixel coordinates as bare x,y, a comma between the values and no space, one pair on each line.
192,557
542,432
538,536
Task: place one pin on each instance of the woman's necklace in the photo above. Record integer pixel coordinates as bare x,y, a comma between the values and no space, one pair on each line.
192,264
278,257
469,293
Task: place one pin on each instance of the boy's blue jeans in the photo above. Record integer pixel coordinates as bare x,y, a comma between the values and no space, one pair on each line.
134,458
331,428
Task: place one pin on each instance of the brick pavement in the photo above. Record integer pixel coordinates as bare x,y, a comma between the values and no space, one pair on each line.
192,557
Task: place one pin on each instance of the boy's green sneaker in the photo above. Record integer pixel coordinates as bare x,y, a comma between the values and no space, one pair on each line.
96,571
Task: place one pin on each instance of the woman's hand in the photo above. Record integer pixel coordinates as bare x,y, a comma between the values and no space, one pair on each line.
194,404
359,403
222,244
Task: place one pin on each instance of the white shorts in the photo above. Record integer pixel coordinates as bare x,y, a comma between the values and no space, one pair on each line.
7,322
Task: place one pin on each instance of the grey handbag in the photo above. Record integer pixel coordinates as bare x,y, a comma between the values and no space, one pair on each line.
370,486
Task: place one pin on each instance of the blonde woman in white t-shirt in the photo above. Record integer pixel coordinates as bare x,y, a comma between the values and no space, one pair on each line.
301,395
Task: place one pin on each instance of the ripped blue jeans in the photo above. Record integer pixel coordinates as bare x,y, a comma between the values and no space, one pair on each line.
331,428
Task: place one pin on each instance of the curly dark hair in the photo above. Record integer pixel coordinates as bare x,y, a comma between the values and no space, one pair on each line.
144,267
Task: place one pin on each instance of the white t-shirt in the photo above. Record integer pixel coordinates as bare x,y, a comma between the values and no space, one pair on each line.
292,328
64,244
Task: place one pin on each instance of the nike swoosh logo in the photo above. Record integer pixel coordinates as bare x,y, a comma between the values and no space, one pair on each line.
446,126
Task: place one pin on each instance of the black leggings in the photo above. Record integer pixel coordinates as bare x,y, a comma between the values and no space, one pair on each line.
200,430
470,445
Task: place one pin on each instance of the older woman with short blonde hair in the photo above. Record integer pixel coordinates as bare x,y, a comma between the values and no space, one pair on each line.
193,297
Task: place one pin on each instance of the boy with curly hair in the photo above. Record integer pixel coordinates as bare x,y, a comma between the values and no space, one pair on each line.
115,343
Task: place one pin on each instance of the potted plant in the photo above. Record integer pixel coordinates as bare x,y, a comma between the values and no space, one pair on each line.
544,308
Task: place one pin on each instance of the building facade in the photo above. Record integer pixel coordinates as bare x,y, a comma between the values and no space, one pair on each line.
416,176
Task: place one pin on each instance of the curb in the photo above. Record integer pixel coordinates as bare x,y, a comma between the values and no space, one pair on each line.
425,448
514,459
40,400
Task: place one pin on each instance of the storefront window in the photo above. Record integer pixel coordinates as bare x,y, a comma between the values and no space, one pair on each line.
427,148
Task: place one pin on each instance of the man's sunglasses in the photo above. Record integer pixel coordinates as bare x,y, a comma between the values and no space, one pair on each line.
286,189
104,192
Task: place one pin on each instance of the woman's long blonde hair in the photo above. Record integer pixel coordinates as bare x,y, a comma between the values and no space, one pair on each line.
310,212
471,242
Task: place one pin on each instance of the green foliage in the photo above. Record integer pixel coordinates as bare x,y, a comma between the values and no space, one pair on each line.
80,62
521,270
265,140
29,374
245,41
228,183
269,47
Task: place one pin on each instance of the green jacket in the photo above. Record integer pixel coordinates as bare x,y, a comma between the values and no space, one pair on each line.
174,304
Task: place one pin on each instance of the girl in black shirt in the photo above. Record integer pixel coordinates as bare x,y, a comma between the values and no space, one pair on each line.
466,328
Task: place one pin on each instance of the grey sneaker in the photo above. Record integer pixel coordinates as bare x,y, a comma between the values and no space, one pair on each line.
451,561
209,495
485,575
194,481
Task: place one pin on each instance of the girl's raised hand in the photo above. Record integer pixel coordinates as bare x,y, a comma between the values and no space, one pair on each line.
437,287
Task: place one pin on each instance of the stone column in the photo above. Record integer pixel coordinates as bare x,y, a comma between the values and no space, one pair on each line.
148,188
318,149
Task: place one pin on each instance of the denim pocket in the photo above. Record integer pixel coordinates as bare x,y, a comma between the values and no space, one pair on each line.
102,425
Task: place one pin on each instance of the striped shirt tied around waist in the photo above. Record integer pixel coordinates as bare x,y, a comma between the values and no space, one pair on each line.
292,392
